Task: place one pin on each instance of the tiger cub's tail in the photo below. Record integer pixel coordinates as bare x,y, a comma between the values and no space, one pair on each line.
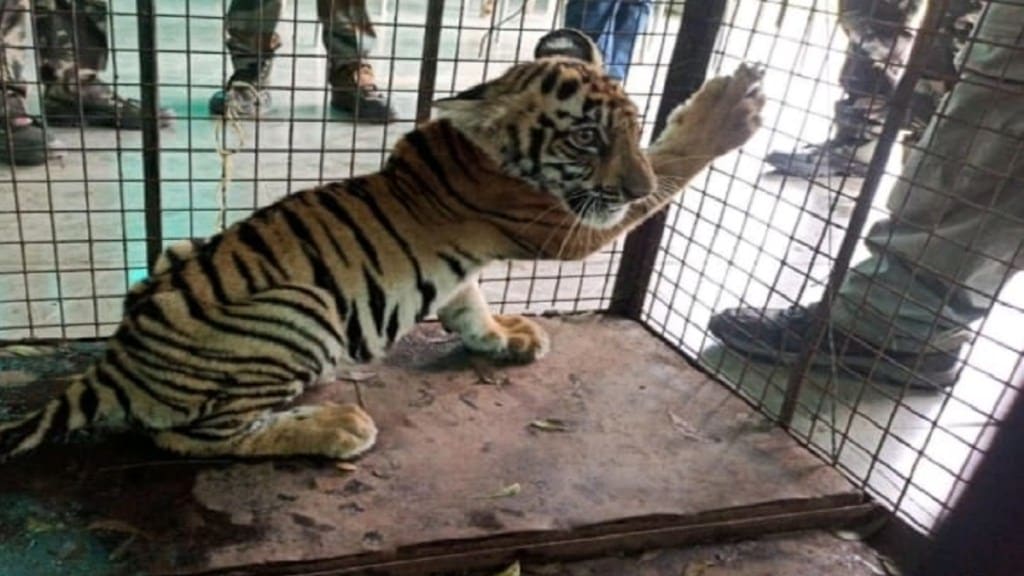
79,406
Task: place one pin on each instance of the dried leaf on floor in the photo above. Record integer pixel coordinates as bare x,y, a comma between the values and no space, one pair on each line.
356,375
35,525
684,428
697,568
467,398
551,425
507,491
513,570
650,555
113,525
122,549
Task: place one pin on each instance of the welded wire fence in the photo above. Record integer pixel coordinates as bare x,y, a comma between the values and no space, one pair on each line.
864,297
758,230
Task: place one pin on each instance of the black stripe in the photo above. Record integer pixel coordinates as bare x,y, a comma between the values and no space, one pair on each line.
355,340
88,402
536,143
213,277
427,290
322,276
567,89
419,142
328,201
249,234
59,423
466,255
454,142
188,344
549,82
422,189
243,270
113,363
13,437
529,78
453,264
103,378
199,313
377,302
393,325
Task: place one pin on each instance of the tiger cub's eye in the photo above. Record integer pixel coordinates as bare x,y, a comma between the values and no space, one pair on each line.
585,137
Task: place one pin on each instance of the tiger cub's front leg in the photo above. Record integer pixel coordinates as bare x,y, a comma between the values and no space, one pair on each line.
502,337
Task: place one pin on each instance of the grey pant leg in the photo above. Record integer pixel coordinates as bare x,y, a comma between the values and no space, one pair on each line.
14,20
348,36
250,28
956,231
72,39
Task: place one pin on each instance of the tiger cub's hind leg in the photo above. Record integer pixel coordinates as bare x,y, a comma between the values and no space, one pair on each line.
337,431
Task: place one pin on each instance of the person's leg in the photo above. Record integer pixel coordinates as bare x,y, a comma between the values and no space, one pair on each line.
955,235
940,72
250,30
630,21
22,139
594,18
72,39
348,37
879,43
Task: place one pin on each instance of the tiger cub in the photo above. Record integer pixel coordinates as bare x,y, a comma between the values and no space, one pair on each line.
542,162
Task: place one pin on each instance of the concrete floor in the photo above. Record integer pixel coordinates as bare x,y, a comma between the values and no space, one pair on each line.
70,249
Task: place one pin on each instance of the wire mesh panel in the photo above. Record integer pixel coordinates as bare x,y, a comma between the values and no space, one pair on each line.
896,370
247,110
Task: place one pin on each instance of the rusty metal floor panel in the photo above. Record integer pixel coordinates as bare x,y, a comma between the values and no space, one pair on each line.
630,448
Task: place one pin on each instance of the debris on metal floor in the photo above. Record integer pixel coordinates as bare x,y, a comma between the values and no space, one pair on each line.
613,433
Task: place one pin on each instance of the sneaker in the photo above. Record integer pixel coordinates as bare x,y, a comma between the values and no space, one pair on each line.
778,335
354,93
244,99
829,159
96,104
23,140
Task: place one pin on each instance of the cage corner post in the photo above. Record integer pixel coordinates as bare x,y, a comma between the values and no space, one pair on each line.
149,92
431,51
687,71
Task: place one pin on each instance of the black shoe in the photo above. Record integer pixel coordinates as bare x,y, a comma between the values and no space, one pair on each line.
816,160
777,336
96,104
23,139
354,93
243,98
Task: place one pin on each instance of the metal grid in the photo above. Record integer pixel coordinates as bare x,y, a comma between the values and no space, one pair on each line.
751,237
80,230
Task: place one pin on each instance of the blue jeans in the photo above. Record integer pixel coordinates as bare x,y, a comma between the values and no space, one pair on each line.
613,25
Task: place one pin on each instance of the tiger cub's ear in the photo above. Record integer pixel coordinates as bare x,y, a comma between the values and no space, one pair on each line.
478,100
569,43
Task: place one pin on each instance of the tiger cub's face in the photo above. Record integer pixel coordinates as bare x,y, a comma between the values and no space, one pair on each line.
561,124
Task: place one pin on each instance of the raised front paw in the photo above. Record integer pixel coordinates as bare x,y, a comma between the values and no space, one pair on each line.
510,338
724,114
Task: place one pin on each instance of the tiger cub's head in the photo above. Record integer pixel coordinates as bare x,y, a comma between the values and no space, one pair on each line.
563,125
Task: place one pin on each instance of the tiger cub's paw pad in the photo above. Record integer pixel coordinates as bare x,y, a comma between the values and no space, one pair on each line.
513,338
726,110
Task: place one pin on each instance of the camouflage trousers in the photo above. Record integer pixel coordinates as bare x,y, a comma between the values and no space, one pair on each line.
71,41
251,30
880,41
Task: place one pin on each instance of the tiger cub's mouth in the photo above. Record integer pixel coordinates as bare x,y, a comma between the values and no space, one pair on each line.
597,208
